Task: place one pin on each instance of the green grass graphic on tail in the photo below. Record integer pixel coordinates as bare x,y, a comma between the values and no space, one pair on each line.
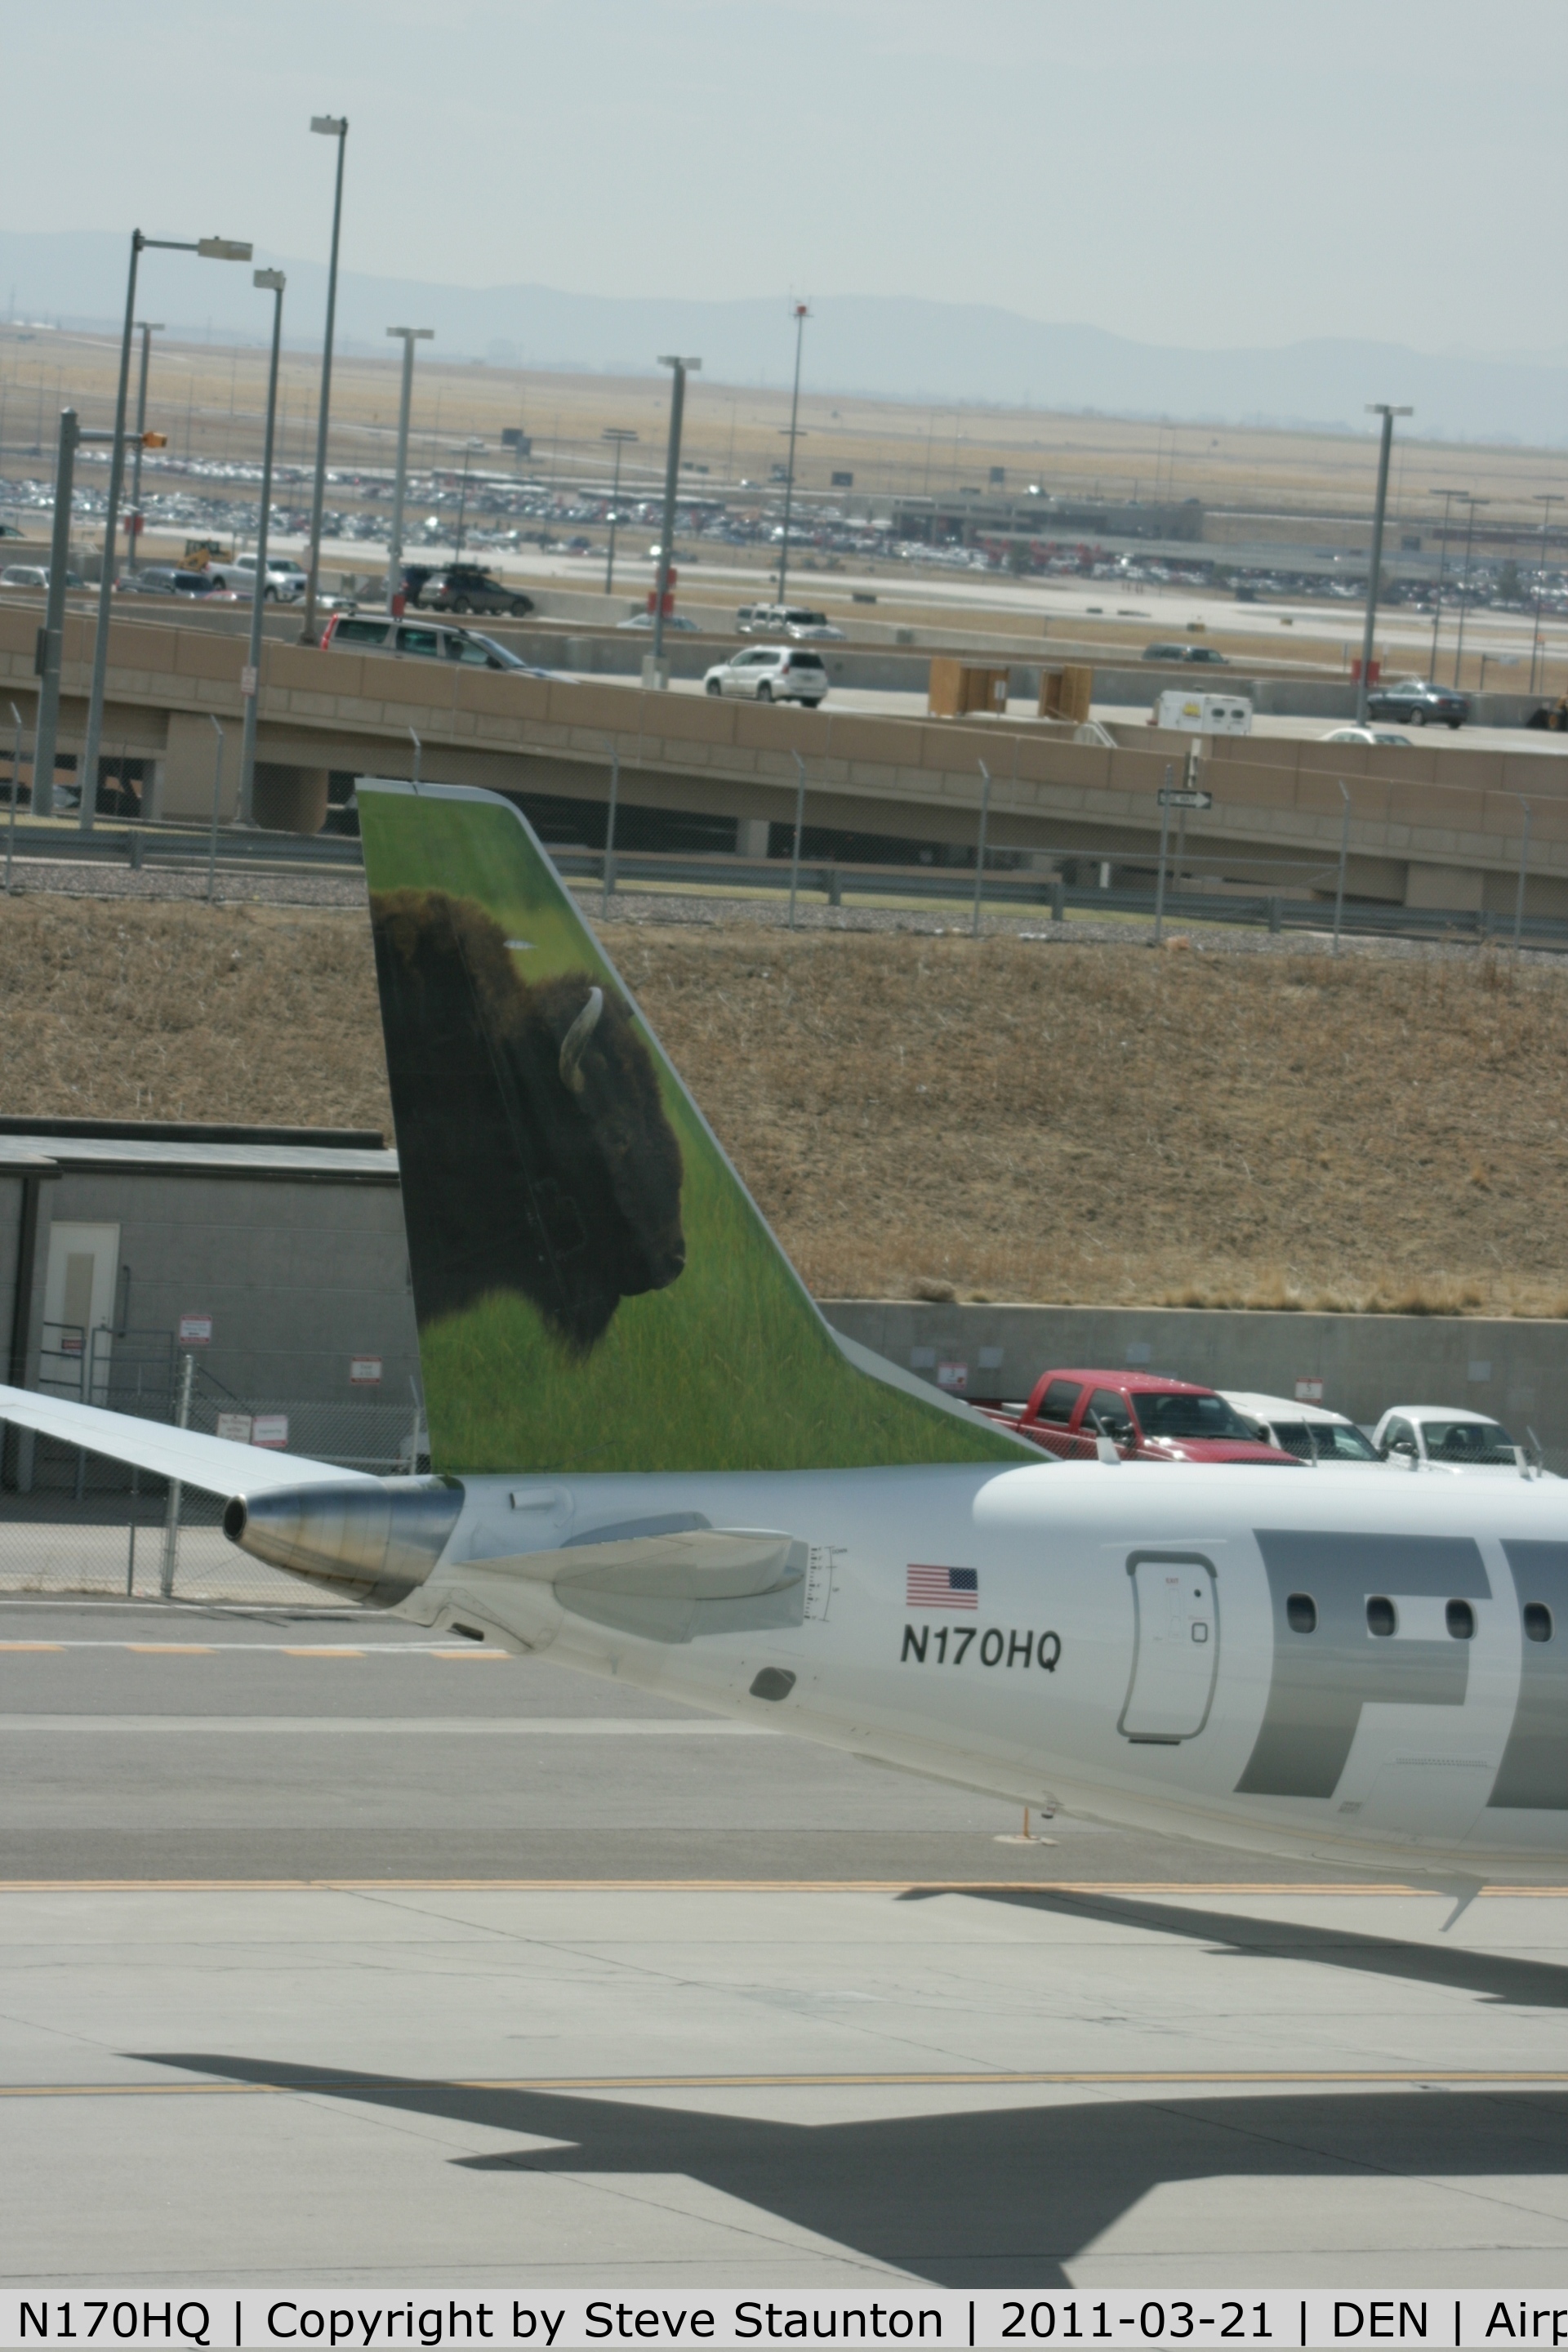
595,1289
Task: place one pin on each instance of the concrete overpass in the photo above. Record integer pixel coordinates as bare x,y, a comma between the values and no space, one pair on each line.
1434,825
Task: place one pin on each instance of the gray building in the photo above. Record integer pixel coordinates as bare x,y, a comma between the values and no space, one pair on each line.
272,1257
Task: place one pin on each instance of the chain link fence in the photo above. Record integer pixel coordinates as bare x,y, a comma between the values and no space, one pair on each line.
73,1521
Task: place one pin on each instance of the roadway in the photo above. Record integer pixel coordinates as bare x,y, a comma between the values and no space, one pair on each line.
335,1955
888,702
981,599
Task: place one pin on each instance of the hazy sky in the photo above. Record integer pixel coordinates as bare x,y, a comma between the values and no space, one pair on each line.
1203,172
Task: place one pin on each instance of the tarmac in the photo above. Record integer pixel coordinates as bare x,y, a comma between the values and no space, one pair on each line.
337,1954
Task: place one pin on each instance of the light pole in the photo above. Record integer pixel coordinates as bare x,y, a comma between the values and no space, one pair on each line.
1447,497
800,314
620,434
1465,580
681,370
46,724
270,281
211,248
411,335
329,126
1547,499
1379,408
147,328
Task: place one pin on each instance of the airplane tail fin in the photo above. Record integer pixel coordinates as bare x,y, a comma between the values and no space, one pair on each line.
595,1289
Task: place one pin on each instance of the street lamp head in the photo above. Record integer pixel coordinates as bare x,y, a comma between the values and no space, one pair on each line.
270,281
223,249
1382,408
150,326
414,334
692,367
800,310
331,126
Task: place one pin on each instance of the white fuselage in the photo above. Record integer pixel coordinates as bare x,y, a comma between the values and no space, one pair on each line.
1137,1649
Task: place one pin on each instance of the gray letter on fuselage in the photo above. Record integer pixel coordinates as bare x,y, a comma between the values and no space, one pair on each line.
1323,1680
1534,1768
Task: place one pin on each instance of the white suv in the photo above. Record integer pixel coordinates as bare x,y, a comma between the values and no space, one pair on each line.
771,674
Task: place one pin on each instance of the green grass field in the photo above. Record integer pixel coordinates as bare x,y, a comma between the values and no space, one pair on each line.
731,1368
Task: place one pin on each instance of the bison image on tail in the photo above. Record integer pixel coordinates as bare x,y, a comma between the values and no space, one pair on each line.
535,1152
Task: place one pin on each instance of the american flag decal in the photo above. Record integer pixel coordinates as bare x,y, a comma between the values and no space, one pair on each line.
941,1588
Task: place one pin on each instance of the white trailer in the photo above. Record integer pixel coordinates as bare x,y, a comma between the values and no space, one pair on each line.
1203,714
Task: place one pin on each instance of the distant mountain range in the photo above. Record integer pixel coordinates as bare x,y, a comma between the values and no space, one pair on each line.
887,345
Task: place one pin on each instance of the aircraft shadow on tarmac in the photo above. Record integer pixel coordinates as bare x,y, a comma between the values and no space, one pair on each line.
1492,1975
999,2198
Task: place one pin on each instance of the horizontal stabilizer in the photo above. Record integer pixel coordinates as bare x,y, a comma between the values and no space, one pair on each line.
217,1464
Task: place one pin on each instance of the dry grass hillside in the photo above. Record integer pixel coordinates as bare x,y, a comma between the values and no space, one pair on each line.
1023,1121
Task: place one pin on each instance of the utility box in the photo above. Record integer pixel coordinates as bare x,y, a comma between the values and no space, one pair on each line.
1203,714
1066,693
955,688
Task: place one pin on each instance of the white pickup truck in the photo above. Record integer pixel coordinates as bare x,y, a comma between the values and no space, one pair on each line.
286,581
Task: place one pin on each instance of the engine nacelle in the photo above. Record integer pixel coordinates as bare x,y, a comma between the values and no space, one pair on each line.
369,1539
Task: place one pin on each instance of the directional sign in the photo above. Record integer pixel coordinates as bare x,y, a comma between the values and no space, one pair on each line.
1185,799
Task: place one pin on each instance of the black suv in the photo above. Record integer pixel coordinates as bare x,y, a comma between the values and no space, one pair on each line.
464,588
1418,704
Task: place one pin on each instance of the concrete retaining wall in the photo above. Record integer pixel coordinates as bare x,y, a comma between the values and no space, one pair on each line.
1366,1363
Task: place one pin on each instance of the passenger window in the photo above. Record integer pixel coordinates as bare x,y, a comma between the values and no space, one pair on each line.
1056,1405
1110,1411
1381,1618
1537,1621
1301,1613
1461,1621
418,641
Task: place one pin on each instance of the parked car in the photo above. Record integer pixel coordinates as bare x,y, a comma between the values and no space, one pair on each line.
645,620
168,579
771,674
1310,1432
1419,703
1448,1439
1146,1416
34,576
465,588
798,621
1365,735
426,640
1173,652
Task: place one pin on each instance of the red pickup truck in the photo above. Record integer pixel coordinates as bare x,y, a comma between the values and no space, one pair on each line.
1146,1416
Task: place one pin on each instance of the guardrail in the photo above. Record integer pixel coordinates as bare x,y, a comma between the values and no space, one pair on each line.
149,846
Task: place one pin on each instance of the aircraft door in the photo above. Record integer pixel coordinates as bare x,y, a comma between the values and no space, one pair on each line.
1175,1646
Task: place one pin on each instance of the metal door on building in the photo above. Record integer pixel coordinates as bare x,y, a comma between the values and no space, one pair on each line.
79,1283
1175,1646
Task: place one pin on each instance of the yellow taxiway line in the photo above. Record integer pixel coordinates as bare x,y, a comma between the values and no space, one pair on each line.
1086,2078
1089,1891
